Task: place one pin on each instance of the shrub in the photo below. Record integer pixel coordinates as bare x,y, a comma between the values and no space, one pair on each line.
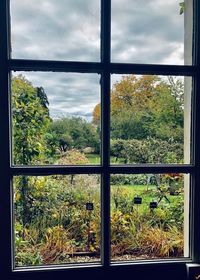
72,157
137,179
147,151
159,243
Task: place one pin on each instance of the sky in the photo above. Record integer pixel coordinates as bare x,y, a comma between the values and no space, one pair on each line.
143,31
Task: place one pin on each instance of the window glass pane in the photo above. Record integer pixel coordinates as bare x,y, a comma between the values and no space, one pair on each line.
56,219
152,31
149,216
56,30
150,119
52,118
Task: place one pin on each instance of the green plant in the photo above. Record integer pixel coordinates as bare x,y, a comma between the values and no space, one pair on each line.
150,150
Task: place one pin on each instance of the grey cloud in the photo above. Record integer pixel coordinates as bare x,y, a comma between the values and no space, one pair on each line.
68,31
143,31
153,29
68,93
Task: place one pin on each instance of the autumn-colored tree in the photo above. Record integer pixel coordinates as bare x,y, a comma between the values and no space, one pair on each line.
146,106
130,93
96,114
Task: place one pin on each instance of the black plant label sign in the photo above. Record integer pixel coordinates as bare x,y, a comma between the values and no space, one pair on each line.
137,200
89,206
153,205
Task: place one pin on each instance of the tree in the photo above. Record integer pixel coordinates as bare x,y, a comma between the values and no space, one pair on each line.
132,93
74,133
146,106
147,151
166,108
30,120
96,114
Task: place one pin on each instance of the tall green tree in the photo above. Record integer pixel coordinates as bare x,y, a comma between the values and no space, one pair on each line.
166,109
30,118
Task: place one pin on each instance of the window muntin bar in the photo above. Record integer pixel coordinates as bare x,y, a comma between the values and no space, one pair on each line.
92,67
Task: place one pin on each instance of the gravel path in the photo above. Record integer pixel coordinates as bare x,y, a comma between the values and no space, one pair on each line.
87,259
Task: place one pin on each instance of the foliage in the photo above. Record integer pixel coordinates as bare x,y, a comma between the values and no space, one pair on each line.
121,234
144,241
58,220
96,114
52,223
58,225
146,106
72,157
72,133
25,251
141,232
147,151
158,243
30,120
57,241
132,179
182,7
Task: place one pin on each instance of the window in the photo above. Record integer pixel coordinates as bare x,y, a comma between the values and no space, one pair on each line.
103,63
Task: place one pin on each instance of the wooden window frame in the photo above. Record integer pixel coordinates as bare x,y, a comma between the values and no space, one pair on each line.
158,269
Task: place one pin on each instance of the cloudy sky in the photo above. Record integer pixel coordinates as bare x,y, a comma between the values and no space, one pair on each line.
143,31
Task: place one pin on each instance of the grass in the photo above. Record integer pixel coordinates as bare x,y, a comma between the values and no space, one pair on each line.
129,192
95,159
149,193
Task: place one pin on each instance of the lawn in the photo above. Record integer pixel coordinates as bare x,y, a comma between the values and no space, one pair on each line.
148,193
95,159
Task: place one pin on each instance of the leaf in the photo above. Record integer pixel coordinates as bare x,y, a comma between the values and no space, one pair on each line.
182,7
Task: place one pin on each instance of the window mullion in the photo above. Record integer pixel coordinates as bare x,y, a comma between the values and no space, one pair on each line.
196,128
5,221
105,123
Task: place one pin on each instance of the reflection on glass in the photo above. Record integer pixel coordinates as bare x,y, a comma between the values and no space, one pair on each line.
152,31
52,117
56,30
56,219
150,119
148,216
